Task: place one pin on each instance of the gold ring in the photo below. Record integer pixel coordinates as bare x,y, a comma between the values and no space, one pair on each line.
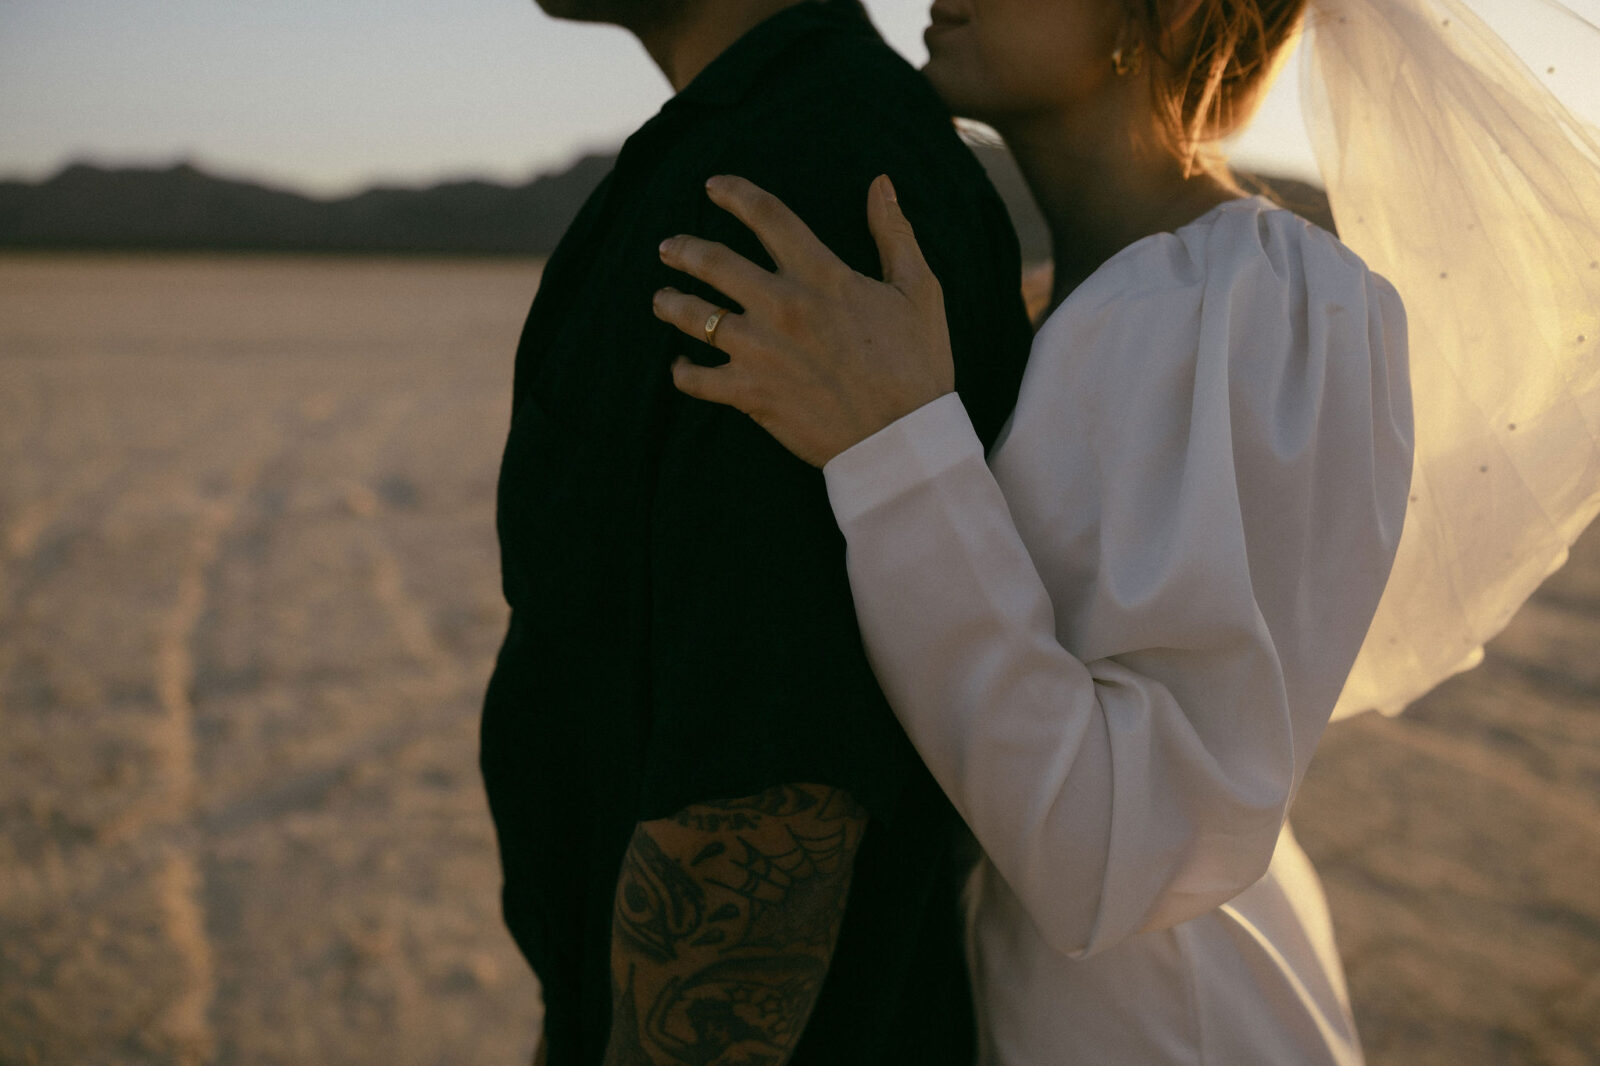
712,323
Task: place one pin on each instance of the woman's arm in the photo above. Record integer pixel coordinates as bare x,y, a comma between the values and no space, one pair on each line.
1218,532
1108,801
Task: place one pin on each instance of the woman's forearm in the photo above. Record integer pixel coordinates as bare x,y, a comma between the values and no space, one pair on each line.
1097,796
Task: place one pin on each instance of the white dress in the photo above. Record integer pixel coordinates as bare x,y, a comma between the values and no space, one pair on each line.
1117,643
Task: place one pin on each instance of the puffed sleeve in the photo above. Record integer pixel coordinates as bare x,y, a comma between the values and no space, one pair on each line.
1117,649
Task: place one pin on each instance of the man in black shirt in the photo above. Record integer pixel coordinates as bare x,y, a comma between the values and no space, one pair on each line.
718,845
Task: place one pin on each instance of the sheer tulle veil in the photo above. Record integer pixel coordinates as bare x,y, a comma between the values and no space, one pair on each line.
1455,173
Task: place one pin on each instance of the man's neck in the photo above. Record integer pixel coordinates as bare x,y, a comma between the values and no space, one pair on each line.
701,30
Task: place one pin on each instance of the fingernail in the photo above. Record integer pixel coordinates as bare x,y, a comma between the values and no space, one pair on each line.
711,182
666,246
888,190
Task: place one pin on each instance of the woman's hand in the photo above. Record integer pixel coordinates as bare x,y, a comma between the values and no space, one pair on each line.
821,357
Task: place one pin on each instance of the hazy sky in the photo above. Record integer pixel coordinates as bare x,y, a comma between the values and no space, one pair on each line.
331,95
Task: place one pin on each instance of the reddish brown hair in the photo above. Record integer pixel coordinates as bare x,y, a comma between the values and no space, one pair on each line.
1210,76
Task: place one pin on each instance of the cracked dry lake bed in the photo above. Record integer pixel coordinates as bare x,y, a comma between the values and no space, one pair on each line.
248,604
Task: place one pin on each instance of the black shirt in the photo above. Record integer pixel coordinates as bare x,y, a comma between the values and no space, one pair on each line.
682,629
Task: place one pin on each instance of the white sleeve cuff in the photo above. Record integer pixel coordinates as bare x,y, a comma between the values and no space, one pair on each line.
913,449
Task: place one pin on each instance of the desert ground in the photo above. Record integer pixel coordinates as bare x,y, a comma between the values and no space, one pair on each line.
248,603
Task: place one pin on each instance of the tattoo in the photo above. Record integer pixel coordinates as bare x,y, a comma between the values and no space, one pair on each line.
788,890
657,903
778,801
737,1010
716,821
726,917
625,1047
783,801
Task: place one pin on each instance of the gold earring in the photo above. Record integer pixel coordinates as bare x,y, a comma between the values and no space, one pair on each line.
1124,64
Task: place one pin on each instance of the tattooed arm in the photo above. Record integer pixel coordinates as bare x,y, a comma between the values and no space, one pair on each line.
726,918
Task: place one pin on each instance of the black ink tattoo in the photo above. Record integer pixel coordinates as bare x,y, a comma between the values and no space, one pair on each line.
726,940
737,1010
780,801
625,1048
657,903
710,851
790,890
714,822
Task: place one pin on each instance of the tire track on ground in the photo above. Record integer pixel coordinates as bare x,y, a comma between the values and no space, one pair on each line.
186,1022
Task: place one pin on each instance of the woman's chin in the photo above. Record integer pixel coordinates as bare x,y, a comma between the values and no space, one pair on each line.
955,90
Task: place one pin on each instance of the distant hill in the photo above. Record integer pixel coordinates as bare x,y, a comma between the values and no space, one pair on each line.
182,208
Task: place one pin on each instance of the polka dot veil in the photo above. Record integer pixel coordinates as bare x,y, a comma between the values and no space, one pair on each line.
1455,172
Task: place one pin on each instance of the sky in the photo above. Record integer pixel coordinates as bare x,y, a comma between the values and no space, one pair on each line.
331,96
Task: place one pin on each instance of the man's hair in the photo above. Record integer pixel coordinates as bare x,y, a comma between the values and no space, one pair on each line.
636,14
852,5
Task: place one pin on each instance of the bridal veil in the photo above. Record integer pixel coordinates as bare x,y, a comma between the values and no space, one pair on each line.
1455,173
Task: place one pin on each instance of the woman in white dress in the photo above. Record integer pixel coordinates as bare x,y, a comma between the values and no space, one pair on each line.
1116,642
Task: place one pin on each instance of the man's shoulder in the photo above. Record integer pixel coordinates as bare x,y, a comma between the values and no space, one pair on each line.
849,96
847,63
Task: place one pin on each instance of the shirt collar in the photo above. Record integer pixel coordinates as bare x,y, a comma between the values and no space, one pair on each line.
730,77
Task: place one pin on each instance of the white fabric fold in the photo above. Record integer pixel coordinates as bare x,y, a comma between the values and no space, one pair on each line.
1117,650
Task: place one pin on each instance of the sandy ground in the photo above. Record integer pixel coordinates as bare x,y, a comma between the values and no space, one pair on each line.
248,603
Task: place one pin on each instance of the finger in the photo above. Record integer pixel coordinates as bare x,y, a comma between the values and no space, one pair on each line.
720,267
714,384
903,264
787,239
690,314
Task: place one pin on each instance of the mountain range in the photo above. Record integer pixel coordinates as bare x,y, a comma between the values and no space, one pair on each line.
183,208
